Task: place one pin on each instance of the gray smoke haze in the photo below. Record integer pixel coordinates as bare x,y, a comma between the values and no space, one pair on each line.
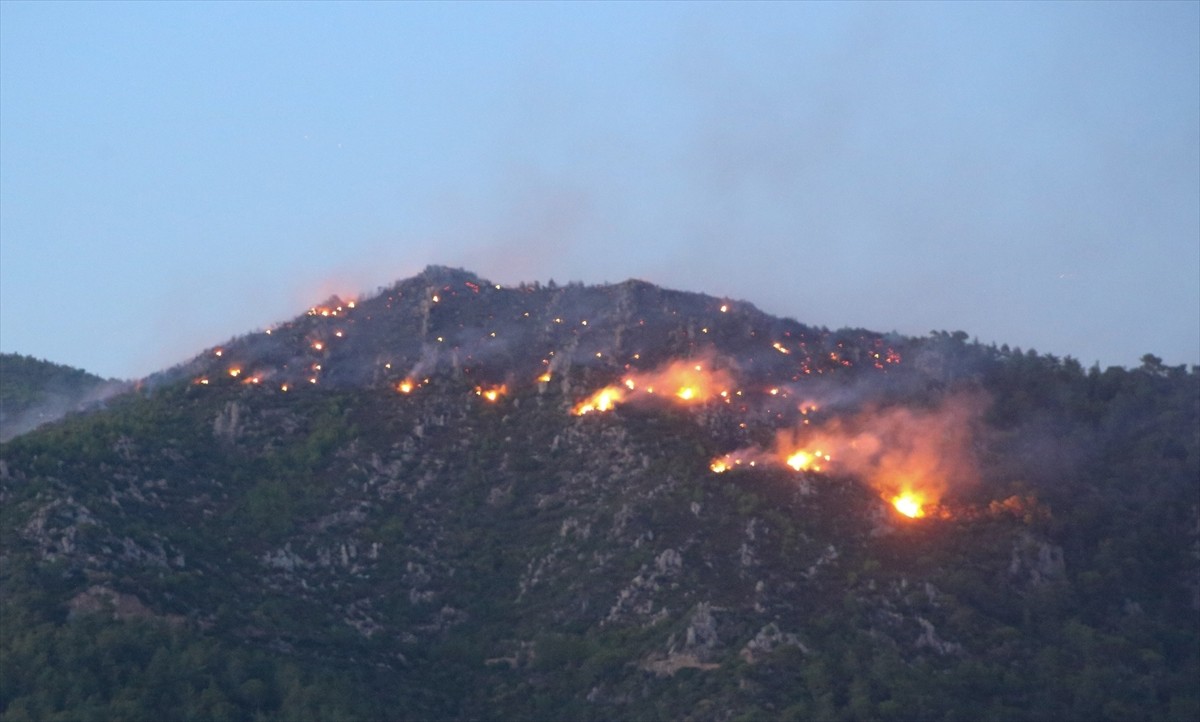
1028,173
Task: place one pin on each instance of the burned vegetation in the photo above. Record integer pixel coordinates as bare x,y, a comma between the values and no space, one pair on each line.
456,500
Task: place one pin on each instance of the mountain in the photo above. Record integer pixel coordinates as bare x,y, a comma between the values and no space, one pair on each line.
456,500
35,392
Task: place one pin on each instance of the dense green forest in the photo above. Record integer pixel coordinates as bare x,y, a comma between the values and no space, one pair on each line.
232,551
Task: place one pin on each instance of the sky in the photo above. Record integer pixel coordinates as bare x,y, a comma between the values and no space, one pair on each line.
175,174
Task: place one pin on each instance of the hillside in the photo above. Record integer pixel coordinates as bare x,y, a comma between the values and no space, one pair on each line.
35,392
454,500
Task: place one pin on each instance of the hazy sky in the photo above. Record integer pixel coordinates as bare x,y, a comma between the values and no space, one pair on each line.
175,174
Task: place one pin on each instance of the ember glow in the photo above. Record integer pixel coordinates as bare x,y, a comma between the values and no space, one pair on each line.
685,382
910,457
406,386
603,400
908,504
807,460
732,461
491,393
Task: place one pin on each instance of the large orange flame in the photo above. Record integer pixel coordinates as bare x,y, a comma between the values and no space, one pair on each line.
911,457
909,504
603,400
686,382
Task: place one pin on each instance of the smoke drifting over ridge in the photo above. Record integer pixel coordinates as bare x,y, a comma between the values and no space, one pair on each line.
919,452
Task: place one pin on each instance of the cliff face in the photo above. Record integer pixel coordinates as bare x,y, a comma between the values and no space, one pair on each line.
470,546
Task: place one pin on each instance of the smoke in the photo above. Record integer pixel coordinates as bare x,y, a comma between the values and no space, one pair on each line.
692,381
55,406
924,450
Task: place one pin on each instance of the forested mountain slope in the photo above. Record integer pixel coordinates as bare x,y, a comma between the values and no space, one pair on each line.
35,392
454,500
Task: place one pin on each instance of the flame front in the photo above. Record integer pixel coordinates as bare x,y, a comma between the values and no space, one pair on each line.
682,381
491,393
603,400
909,504
807,460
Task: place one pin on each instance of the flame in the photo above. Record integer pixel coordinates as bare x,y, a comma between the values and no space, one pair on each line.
317,345
544,378
909,504
203,381
603,400
684,381
235,372
406,386
910,457
491,393
806,460
738,458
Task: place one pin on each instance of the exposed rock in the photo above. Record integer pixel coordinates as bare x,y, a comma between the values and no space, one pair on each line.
768,639
99,598
1037,562
228,424
930,639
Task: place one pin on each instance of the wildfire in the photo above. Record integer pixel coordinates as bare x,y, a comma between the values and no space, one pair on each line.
910,457
806,460
544,378
687,382
603,400
317,345
406,386
909,504
729,461
491,393
235,372
332,307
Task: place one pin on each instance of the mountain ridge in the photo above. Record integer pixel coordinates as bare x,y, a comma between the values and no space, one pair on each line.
716,538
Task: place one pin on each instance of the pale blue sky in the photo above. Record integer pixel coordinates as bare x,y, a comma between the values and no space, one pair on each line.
174,174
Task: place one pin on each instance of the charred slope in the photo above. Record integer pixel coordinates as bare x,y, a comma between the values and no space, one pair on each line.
451,320
342,548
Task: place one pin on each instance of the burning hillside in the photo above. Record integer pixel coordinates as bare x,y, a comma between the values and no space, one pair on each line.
761,375
605,500
682,382
910,456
